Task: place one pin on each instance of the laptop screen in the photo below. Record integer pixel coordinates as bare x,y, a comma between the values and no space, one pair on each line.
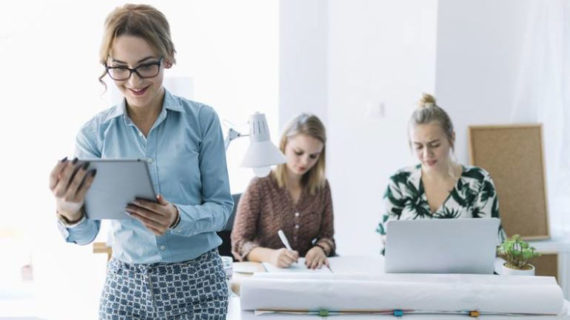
441,245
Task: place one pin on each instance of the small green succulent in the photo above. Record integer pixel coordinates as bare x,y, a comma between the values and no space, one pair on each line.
516,253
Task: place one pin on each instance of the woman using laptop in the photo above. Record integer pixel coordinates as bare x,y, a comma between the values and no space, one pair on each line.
438,187
294,198
165,263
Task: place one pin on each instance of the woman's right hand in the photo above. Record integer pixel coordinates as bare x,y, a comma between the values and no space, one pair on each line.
69,182
283,258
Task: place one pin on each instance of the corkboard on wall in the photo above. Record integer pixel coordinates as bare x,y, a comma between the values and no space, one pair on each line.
512,154
546,265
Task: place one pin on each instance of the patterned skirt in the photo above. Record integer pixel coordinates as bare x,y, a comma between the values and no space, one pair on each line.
194,289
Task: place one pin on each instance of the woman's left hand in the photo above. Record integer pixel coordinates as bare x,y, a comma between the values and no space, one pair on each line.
316,258
156,216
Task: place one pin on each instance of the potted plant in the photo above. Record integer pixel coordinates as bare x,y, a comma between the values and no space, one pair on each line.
516,253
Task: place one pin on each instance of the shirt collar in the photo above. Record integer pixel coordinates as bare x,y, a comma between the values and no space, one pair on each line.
170,103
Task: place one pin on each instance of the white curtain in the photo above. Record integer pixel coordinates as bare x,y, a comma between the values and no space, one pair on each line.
543,95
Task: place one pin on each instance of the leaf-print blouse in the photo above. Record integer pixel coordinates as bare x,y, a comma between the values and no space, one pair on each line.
473,196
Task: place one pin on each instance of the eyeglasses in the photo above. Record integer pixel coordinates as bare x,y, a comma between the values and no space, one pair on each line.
144,71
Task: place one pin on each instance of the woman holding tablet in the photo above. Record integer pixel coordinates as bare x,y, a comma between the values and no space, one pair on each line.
292,206
438,187
165,262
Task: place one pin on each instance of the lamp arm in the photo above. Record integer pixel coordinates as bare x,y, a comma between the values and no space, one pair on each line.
232,135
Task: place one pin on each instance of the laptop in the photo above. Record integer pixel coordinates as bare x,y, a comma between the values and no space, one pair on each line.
441,245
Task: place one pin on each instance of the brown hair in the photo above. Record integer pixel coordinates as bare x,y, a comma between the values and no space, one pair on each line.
312,126
138,20
427,112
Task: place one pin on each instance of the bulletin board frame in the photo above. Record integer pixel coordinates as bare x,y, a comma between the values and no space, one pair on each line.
513,155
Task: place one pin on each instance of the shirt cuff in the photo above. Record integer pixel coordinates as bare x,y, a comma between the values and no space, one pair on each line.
177,221
61,219
246,248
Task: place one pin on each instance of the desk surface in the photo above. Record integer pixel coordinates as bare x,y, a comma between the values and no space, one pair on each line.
346,264
235,313
372,265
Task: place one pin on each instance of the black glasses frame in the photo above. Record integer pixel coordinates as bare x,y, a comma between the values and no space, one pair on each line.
131,70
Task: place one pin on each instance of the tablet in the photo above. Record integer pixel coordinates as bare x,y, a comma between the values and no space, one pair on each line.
117,183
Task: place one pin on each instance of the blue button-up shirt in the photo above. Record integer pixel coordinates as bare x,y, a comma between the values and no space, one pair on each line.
187,163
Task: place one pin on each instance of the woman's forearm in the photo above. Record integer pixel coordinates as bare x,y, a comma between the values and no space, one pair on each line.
260,254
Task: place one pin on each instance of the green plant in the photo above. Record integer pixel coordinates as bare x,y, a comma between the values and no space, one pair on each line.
516,253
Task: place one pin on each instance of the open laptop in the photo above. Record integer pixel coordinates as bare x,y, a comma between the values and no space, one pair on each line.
441,245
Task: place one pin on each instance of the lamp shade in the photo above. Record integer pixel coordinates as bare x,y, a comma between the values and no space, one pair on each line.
261,152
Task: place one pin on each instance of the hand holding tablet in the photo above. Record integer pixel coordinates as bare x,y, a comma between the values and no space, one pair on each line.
69,182
156,216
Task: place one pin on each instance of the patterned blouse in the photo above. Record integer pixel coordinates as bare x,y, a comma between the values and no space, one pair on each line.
473,196
264,208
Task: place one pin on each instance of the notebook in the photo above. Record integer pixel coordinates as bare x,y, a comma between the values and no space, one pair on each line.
441,245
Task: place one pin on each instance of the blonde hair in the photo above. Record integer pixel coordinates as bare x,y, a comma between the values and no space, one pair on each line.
138,20
309,125
428,111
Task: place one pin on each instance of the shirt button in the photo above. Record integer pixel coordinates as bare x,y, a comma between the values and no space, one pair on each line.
296,226
149,160
296,214
162,248
140,134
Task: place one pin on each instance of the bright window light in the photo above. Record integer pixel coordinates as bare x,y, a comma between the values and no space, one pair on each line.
227,57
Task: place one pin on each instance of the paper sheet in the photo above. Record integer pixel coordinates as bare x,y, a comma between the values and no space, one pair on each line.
298,267
420,292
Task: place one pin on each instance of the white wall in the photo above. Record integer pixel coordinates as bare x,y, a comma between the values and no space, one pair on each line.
479,48
500,62
376,52
302,59
387,53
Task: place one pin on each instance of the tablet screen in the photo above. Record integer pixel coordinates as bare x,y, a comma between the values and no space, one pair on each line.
117,183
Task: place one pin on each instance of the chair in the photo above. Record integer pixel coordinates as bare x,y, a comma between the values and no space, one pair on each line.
225,249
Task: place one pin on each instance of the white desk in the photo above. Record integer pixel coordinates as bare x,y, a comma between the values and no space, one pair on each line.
235,313
368,265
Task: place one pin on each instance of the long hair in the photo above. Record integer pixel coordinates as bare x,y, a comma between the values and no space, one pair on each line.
309,125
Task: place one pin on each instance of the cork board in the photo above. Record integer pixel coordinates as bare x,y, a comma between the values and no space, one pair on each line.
546,265
512,154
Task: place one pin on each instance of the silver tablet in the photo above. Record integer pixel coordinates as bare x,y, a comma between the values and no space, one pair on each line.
117,183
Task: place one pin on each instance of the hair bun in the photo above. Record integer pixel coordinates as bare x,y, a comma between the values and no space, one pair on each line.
426,101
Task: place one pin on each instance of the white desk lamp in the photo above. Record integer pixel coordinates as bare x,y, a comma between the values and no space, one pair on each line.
261,153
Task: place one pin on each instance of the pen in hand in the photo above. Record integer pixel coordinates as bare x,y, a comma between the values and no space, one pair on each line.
281,235
288,256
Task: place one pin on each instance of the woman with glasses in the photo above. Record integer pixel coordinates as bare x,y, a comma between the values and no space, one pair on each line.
165,263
